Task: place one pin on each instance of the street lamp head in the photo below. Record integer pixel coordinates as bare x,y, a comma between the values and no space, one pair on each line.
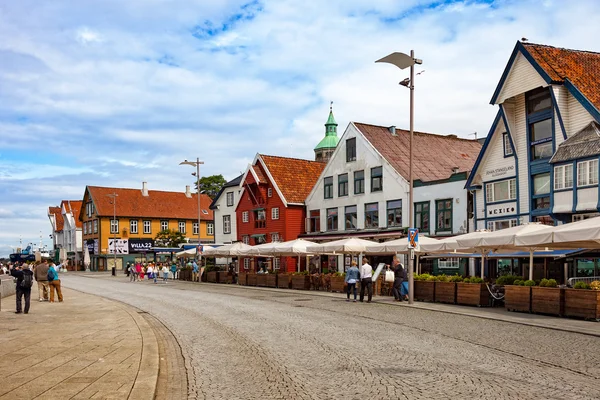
405,82
400,60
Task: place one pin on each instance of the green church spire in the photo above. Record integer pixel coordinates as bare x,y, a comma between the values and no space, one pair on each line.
330,141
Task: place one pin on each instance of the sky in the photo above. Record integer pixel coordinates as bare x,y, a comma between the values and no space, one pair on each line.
115,93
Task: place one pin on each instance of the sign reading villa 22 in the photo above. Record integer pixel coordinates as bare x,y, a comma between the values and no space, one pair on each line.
118,246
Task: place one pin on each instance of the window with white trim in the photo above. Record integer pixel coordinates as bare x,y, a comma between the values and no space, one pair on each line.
95,224
246,263
182,226
501,191
448,263
195,228
275,237
164,225
133,226
210,229
276,263
270,192
147,226
245,216
502,224
246,239
227,224
229,199
587,173
563,176
508,151
85,228
275,213
114,226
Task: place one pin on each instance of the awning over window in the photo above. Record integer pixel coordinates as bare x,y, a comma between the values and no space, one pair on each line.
258,235
258,209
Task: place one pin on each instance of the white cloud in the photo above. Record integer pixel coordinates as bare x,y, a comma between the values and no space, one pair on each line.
85,35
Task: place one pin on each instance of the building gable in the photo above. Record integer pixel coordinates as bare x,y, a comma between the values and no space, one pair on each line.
522,77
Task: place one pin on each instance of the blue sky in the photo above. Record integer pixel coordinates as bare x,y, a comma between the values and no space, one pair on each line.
114,93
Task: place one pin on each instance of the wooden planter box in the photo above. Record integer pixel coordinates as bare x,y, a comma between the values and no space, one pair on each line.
223,277
472,294
517,298
261,279
271,280
445,292
284,281
243,279
338,284
424,291
211,277
547,300
301,282
252,279
185,275
582,303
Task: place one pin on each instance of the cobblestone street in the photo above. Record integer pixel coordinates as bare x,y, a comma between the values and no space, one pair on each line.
240,343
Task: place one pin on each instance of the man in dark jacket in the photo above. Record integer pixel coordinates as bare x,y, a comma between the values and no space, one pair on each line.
40,272
23,274
399,277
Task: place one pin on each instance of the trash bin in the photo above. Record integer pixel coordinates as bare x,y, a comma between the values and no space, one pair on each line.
114,271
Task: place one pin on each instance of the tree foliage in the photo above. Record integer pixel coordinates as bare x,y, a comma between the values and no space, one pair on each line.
211,185
169,238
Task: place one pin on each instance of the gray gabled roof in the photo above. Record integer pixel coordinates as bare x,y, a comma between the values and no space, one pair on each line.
585,143
234,182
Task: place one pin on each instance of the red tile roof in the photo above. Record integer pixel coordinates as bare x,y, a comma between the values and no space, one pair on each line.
158,204
295,178
434,156
581,68
59,220
74,206
259,174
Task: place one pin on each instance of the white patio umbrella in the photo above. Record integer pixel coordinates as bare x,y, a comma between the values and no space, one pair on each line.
575,235
297,247
86,258
227,250
260,250
342,246
505,239
400,246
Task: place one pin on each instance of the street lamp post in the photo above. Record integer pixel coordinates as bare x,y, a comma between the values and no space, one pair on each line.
196,164
403,61
113,196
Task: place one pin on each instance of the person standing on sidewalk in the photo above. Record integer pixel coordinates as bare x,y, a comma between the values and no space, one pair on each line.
352,276
195,272
24,283
165,273
54,282
366,280
399,277
40,272
174,269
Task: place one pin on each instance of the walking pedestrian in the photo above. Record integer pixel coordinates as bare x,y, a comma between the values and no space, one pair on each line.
399,277
24,283
40,272
165,272
352,276
142,272
150,273
54,282
174,269
128,270
138,271
366,280
194,271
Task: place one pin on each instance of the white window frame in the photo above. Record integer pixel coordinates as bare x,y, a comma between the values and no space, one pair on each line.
245,216
133,226
85,228
195,228
270,192
276,263
95,225
587,173
181,226
229,199
164,225
246,263
147,226
275,213
246,239
493,225
512,191
226,224
275,237
508,151
114,226
449,263
210,229
563,177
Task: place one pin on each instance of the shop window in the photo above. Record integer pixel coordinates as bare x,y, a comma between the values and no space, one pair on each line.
351,217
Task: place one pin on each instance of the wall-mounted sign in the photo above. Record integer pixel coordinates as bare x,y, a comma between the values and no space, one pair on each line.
140,245
501,209
501,171
92,245
118,246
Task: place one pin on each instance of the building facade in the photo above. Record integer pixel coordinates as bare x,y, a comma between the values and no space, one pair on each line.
539,162
140,216
67,230
223,207
363,190
271,208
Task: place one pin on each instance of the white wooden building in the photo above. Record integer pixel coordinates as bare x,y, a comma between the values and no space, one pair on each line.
223,207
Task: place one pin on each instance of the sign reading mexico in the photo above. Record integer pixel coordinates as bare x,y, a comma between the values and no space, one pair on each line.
118,246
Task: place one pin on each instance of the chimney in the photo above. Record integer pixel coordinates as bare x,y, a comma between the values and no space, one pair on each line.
455,170
188,194
144,189
392,130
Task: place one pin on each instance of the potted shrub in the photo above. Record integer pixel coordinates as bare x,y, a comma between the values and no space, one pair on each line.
547,298
251,279
337,282
445,290
185,274
284,281
424,287
271,280
243,278
583,301
261,279
301,280
472,292
517,297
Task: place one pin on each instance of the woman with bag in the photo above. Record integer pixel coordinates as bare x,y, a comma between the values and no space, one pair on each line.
352,276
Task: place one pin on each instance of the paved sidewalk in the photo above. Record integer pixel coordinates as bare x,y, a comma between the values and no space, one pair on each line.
85,347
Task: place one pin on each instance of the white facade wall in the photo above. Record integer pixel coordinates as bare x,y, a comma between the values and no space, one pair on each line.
223,209
450,190
587,199
578,116
522,78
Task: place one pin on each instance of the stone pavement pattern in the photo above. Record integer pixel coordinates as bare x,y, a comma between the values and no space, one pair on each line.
250,344
85,347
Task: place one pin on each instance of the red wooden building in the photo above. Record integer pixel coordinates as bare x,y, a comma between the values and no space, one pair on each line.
271,205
